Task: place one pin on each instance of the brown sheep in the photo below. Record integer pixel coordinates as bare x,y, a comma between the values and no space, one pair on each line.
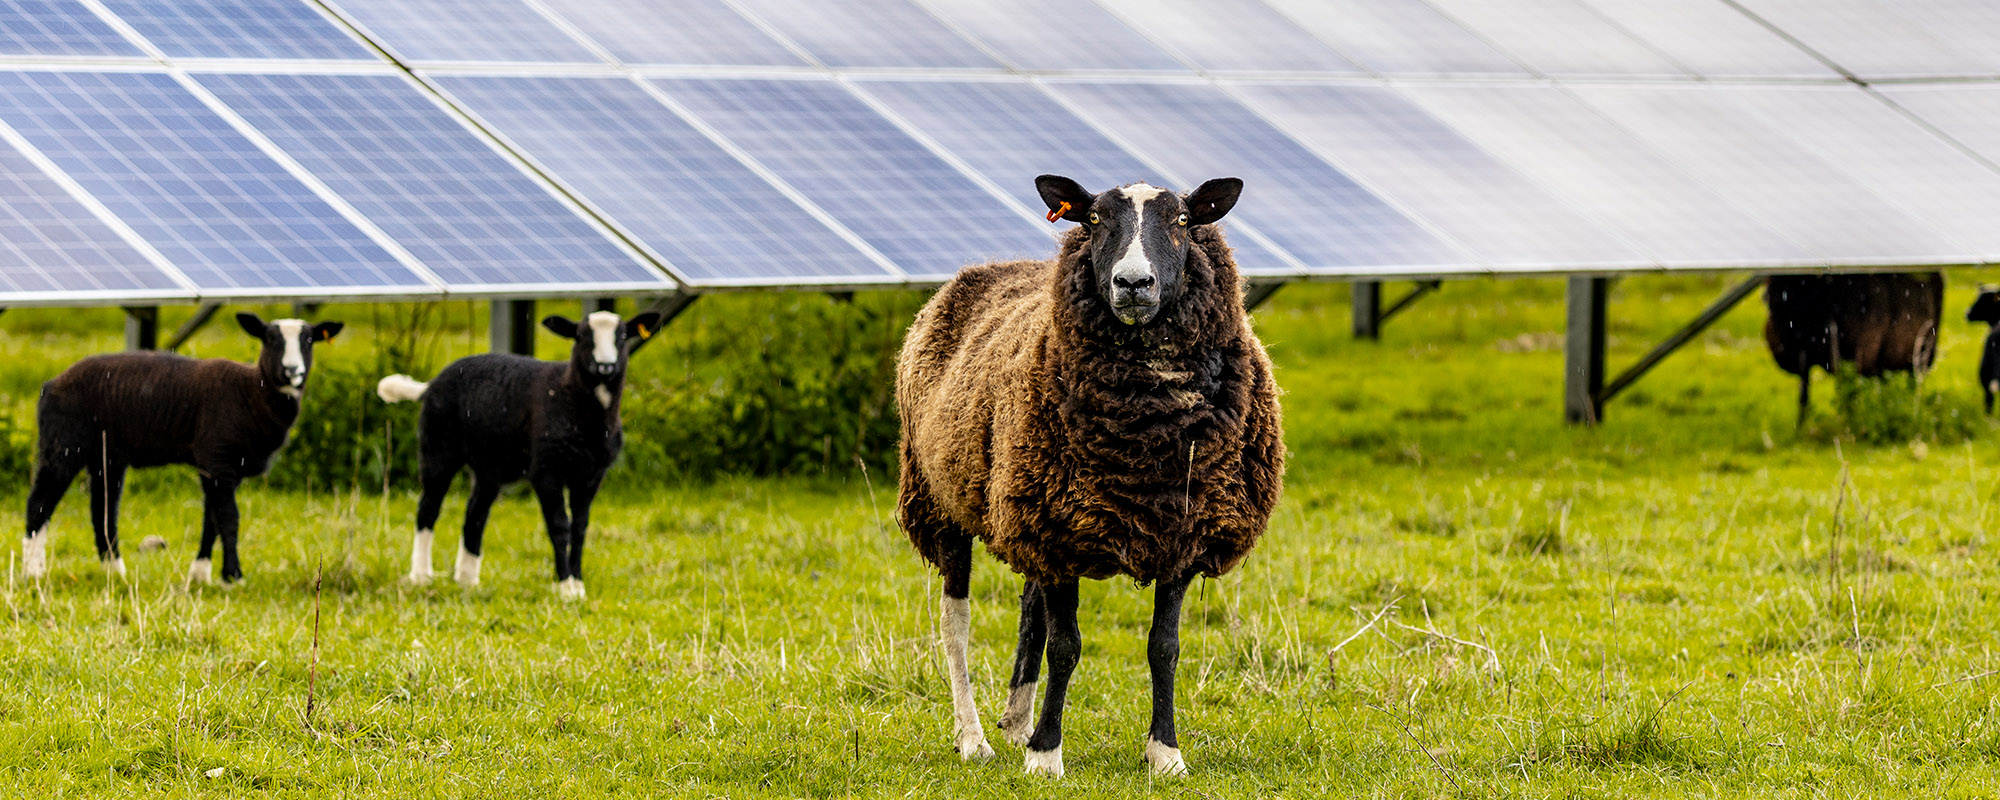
1884,322
1106,413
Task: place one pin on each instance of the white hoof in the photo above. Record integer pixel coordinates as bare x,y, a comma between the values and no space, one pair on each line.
1164,760
416,578
972,746
570,589
420,558
468,569
1017,722
114,565
1049,763
35,555
198,571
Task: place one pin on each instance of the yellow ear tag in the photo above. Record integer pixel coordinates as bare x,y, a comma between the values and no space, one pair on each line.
645,334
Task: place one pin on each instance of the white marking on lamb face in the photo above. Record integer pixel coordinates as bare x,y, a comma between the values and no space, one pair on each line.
198,571
604,395
1049,763
570,589
968,736
1134,265
1018,721
1164,760
603,337
420,557
295,358
35,554
468,568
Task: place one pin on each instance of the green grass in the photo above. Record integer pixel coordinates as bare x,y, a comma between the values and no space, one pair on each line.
1692,600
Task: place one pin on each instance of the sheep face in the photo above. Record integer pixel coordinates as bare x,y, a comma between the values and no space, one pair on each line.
603,342
288,346
1987,308
1138,237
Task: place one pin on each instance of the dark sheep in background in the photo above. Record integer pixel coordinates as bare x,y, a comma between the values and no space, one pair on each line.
510,416
108,413
1987,309
1106,413
1882,322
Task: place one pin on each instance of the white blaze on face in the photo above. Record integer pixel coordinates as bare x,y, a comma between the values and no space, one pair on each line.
1133,265
294,361
603,337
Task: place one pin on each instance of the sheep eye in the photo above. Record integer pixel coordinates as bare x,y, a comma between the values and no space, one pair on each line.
1183,219
1093,218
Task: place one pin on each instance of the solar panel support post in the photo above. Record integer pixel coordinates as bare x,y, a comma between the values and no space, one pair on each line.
142,327
600,304
193,324
513,327
304,310
1368,310
1583,350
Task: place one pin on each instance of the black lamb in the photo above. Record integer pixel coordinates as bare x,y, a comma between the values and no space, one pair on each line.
1987,309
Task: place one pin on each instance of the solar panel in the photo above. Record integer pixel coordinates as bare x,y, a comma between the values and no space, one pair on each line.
49,242
869,33
1559,37
1590,162
1713,39
1797,193
1398,36
1878,146
239,29
58,28
656,176
467,212
1055,35
1963,111
1231,35
901,198
676,32
465,30
1304,205
1438,176
224,213
1868,38
1010,132
1969,26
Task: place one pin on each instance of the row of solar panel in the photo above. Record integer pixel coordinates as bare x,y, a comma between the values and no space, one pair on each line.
1675,38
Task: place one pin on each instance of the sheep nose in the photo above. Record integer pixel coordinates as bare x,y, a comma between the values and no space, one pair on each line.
606,369
1132,282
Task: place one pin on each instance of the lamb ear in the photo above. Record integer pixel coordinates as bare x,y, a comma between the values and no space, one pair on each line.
252,324
325,331
560,325
1213,199
1066,198
642,327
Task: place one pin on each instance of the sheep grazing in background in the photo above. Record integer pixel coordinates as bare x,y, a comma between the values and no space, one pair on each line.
108,413
508,417
1885,322
1105,413
1987,309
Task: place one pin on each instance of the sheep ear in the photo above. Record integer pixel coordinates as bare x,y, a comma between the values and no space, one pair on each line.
325,331
252,324
643,327
1213,199
1066,198
560,325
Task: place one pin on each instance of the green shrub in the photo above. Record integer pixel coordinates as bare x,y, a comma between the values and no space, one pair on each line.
17,446
346,437
1896,409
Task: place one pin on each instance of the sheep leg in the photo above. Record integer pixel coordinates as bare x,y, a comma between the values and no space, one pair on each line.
580,497
1018,720
437,482
1065,647
107,486
550,493
1163,654
955,619
198,572
472,538
1805,396
52,479
220,499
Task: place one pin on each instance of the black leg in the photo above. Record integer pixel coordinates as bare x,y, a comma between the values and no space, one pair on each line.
1805,396
556,519
472,537
955,624
219,495
1065,647
580,497
52,478
107,486
198,572
437,475
1989,402
1018,720
1163,654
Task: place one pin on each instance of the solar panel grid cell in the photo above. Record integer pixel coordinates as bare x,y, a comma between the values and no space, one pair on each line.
239,29
58,28
869,33
49,242
1868,38
1232,35
1559,37
467,30
1055,34
1713,39
704,32
1397,36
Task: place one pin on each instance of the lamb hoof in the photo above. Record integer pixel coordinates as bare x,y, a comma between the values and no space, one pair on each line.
115,566
973,747
35,557
1049,763
198,571
1164,760
570,589
467,571
1017,722
417,578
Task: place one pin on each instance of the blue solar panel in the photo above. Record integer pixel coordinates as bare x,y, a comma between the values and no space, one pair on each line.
900,197
58,28
465,30
868,33
1309,208
1011,132
1056,35
239,29
49,242
218,208
1398,36
1439,176
1237,35
470,215
683,196
676,32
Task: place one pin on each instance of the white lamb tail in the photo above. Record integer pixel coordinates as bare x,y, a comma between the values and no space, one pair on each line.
400,388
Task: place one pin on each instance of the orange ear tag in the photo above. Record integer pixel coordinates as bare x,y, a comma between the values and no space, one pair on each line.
1057,212
645,334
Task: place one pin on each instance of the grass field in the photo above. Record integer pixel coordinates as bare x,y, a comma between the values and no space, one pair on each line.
1689,601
